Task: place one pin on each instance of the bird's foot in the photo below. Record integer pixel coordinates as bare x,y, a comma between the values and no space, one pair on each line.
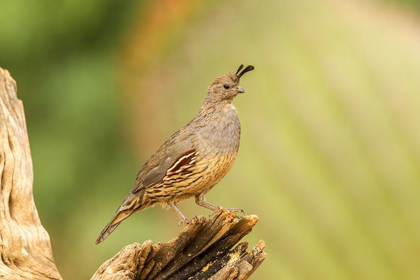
187,221
236,210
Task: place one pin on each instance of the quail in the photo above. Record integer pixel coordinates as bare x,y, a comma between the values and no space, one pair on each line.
193,160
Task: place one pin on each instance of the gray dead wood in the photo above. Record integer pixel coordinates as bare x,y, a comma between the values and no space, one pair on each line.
25,247
204,249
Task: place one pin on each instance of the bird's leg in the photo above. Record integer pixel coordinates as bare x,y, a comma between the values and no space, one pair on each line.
201,201
179,213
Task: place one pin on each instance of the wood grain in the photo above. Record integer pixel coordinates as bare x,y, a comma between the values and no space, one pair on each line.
25,247
202,250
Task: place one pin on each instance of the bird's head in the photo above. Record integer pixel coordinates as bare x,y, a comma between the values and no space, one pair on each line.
226,87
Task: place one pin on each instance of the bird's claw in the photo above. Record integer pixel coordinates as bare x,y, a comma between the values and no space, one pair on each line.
187,221
236,210
229,209
195,217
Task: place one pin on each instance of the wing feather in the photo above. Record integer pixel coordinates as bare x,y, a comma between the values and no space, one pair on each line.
169,168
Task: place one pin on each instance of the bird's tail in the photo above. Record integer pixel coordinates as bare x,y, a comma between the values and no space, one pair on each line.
112,225
129,206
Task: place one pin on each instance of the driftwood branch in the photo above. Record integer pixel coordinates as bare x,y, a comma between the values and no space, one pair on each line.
202,250
25,247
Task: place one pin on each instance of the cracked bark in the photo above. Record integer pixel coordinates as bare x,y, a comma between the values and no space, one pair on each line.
202,250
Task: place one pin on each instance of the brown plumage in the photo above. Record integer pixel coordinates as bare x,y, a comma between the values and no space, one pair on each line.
191,161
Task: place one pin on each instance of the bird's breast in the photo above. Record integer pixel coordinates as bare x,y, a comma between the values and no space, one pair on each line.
218,144
221,134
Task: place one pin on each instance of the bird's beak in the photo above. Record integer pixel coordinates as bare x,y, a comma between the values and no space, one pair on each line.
240,89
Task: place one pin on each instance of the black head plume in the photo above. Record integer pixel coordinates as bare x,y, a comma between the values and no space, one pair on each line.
239,69
247,69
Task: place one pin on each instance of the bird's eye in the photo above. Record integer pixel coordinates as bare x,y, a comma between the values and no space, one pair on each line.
226,86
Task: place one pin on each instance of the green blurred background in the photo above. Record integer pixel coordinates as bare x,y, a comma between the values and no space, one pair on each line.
330,149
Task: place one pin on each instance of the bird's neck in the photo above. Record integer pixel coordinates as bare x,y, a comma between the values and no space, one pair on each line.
221,126
218,114
210,108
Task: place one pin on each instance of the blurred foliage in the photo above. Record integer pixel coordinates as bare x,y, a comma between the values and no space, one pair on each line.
408,3
64,57
330,153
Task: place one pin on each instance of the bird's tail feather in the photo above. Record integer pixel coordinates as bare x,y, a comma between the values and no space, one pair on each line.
112,225
131,204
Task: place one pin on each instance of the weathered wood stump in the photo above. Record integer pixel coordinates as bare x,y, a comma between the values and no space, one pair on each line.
202,250
25,245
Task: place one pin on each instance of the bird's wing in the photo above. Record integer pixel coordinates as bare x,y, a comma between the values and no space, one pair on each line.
171,161
173,157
